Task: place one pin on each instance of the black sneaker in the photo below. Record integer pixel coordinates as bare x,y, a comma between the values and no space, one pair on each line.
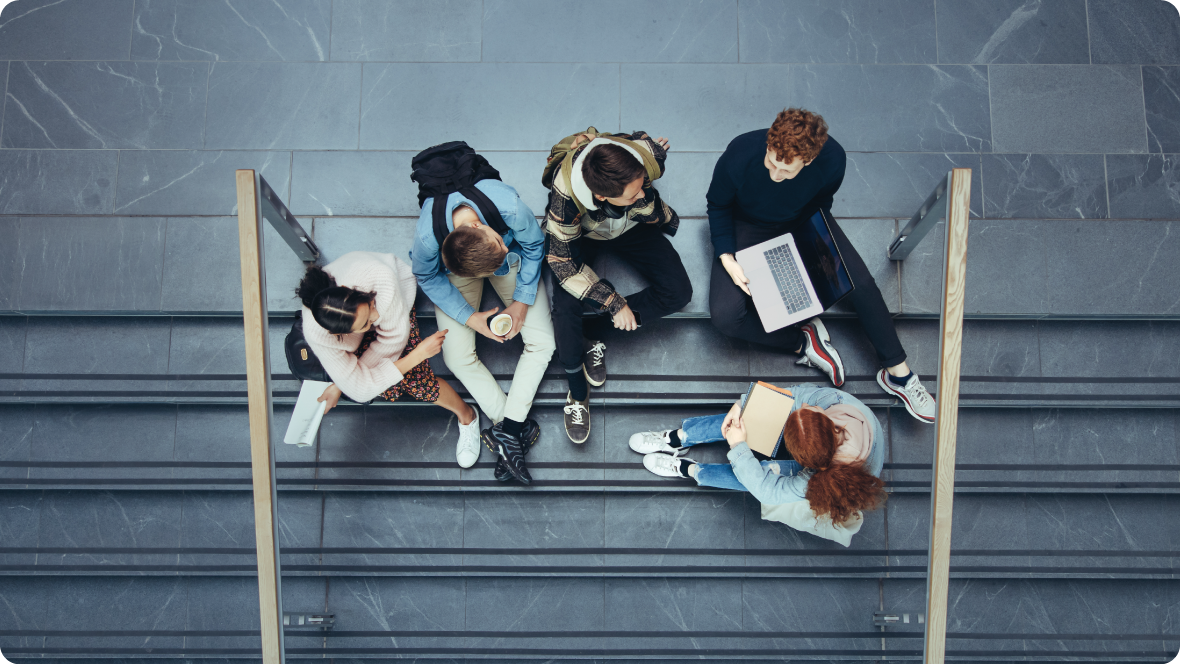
594,363
511,453
529,435
577,419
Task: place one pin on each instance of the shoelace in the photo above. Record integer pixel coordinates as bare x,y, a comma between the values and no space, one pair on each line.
575,411
597,350
917,393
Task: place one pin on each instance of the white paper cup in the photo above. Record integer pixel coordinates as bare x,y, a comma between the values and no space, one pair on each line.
501,324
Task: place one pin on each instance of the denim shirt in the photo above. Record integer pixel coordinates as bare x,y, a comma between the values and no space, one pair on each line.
764,479
525,241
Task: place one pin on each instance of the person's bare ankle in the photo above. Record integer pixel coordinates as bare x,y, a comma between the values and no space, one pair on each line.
470,417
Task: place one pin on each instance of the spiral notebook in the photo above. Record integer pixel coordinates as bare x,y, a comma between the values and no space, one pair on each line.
765,409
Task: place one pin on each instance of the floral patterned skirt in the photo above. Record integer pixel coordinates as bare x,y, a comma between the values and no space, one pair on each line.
418,383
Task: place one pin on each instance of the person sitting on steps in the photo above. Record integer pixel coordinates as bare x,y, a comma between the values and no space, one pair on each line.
601,199
359,320
824,470
765,183
472,252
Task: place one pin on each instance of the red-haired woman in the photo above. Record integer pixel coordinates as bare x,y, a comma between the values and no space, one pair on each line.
766,183
824,471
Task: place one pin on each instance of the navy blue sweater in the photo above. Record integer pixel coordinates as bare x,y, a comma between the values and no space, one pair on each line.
742,189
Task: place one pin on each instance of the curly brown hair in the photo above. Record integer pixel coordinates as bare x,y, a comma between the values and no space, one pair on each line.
797,133
836,489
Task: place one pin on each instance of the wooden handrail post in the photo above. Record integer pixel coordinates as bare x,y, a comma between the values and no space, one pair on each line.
262,463
950,346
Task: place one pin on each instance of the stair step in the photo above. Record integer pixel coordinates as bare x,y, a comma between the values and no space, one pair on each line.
1092,620
703,534
1022,268
1068,364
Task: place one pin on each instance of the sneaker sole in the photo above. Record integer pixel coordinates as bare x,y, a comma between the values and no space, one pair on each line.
591,380
822,347
905,401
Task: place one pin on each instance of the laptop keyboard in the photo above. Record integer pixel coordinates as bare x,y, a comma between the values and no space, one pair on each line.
786,275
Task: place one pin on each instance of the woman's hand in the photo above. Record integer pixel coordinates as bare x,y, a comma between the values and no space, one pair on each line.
426,349
732,426
735,272
663,142
331,396
431,346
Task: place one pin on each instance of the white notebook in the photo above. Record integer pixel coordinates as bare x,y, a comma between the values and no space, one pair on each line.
308,413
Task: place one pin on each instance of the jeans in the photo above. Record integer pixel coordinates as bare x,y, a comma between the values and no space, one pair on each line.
733,311
644,248
707,429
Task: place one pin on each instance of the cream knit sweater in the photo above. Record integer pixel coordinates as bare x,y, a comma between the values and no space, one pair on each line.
373,372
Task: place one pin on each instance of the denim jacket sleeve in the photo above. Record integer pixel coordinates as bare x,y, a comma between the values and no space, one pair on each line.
767,486
531,238
428,270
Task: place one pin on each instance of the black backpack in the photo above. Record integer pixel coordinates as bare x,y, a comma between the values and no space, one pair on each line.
444,169
300,358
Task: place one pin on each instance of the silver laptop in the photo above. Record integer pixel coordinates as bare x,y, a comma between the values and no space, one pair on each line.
782,291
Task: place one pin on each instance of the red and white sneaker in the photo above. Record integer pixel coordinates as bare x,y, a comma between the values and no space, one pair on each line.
819,353
915,397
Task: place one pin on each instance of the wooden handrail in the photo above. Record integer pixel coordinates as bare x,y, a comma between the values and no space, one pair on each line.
262,463
950,346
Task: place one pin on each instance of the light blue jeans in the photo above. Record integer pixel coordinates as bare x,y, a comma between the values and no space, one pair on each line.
707,429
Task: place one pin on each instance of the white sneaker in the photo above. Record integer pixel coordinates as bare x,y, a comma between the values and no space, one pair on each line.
467,451
913,396
648,442
664,465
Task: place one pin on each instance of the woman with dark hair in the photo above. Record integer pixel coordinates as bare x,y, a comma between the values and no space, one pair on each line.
825,469
359,319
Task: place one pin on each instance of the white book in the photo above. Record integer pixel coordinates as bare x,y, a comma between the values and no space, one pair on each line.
305,422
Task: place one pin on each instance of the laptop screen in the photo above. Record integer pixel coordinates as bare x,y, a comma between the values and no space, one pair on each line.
822,258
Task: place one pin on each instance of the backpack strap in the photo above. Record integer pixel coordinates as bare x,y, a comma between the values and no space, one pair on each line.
491,213
650,165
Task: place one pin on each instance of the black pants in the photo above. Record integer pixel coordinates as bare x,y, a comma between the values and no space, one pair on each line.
734,314
644,248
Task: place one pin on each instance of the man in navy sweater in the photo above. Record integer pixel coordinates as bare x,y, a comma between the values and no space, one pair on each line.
766,183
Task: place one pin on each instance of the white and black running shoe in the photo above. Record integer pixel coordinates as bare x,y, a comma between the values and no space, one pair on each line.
913,396
648,442
819,353
665,465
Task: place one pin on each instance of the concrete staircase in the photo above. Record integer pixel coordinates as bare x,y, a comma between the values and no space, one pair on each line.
127,527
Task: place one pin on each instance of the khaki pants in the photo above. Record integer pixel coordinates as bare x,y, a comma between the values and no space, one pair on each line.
459,349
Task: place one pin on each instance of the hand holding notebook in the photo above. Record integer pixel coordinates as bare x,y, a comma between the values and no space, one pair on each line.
765,409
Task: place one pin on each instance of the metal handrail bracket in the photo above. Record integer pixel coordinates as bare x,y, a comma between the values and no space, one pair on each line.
923,220
286,224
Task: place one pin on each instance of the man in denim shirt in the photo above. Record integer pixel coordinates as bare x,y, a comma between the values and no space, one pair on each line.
473,250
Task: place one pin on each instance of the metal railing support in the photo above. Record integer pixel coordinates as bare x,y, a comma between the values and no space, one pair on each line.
273,210
925,218
262,462
950,345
